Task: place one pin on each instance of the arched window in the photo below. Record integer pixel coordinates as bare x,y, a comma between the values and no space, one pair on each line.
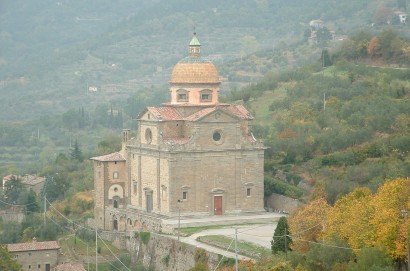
116,202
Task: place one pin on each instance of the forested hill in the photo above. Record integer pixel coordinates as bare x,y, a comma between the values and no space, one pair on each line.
339,126
52,51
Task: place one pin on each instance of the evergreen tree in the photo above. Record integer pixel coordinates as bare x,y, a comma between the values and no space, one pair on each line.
281,240
32,205
12,190
323,37
326,61
76,153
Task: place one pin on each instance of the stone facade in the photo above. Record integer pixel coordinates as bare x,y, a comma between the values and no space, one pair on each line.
36,255
192,155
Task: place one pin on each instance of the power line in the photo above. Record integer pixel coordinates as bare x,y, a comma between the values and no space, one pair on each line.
80,226
114,254
223,256
322,244
320,224
18,205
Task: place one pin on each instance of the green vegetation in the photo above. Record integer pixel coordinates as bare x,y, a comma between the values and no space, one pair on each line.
281,241
244,248
6,261
145,236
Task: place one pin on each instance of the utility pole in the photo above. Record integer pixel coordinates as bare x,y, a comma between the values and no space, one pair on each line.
88,260
45,208
405,213
179,216
236,249
286,242
96,249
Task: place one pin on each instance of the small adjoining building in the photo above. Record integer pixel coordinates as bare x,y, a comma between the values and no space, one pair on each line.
28,181
41,256
193,155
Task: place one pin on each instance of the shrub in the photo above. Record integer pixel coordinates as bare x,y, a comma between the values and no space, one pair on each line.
145,237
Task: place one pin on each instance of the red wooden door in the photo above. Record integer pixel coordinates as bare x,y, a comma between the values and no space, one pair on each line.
218,205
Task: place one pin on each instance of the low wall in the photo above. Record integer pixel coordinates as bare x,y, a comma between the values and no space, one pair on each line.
282,204
161,252
12,216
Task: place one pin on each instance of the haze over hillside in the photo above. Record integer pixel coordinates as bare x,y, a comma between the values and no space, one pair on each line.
52,51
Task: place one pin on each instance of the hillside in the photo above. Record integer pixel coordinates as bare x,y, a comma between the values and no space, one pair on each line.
54,51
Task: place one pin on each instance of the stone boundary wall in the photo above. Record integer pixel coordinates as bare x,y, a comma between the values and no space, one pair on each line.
282,204
12,216
161,252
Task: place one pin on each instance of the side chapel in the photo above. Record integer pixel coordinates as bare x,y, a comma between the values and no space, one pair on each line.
192,154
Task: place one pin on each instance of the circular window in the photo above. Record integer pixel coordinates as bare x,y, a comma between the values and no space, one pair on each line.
115,189
148,135
217,136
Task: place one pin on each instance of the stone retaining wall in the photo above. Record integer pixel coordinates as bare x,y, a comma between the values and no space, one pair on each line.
161,252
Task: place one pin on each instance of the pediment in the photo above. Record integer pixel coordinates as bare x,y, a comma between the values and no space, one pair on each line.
218,115
148,114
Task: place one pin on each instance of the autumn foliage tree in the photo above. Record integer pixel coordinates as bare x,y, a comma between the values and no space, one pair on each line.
306,224
363,219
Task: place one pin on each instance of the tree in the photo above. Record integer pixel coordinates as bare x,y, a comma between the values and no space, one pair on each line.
373,49
392,197
333,254
32,205
307,223
325,58
12,190
371,258
323,36
349,218
6,261
76,153
281,240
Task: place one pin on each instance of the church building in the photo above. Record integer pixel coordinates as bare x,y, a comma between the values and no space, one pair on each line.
193,155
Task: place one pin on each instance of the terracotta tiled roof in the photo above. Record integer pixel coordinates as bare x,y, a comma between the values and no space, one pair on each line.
9,177
112,157
239,111
195,70
32,179
201,113
171,113
70,267
33,246
165,113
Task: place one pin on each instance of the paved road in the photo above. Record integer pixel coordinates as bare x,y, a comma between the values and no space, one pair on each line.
259,234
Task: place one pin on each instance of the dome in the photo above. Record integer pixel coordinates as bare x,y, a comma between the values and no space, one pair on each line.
195,70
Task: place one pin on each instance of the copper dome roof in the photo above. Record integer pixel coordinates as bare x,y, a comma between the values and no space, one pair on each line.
195,70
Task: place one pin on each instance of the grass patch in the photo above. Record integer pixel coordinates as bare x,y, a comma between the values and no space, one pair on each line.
79,247
244,248
191,230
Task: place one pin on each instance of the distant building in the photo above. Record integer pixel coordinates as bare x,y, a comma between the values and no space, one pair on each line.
33,182
402,16
8,178
92,89
29,181
316,25
39,256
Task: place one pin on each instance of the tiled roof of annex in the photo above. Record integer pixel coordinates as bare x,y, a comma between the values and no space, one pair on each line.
112,157
171,113
48,245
